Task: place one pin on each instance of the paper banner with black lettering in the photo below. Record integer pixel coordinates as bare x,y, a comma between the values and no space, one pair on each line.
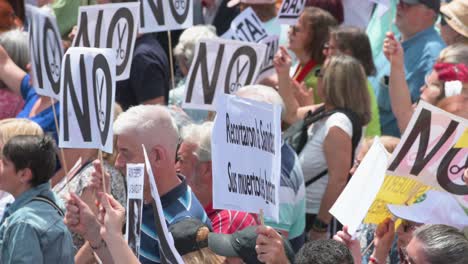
167,250
165,15
354,201
112,26
290,11
246,156
87,99
267,69
45,50
135,182
427,151
247,27
221,66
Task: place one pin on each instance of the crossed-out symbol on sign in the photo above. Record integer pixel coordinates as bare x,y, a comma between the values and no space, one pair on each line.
236,85
54,65
120,50
180,4
101,111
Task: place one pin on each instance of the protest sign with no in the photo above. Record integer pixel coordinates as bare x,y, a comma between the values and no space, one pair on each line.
290,11
165,15
135,182
246,156
221,66
87,99
427,151
110,26
46,52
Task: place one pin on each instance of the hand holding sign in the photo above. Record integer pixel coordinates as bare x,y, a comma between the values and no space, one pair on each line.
282,61
111,216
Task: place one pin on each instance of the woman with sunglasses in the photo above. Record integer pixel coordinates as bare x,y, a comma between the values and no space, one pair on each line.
454,22
451,66
306,40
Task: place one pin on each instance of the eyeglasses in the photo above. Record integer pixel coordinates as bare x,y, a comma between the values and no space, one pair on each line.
443,19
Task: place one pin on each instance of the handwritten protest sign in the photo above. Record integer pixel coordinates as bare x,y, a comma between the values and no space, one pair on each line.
135,182
110,26
394,190
463,141
46,52
427,151
247,27
267,69
290,11
87,99
221,66
167,250
354,202
165,15
246,156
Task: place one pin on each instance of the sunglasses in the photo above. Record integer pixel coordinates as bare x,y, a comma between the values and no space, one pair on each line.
443,19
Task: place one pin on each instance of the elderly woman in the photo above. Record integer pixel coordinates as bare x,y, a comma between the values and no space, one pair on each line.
452,65
184,52
329,148
454,22
15,43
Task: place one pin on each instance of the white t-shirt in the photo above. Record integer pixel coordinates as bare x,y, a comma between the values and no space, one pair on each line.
312,157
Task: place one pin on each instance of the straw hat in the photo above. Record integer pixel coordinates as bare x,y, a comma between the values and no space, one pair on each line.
456,15
232,3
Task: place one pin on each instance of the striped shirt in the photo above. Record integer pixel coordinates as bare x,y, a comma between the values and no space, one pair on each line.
179,203
229,221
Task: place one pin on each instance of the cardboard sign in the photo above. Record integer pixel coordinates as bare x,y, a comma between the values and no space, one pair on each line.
246,156
135,182
267,69
87,99
353,203
221,66
46,52
165,15
167,250
427,151
290,11
110,26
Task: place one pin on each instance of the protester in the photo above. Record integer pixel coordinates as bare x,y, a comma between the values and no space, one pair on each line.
8,18
326,251
9,128
15,43
292,190
421,44
454,22
452,65
354,42
135,127
32,228
184,52
194,161
306,40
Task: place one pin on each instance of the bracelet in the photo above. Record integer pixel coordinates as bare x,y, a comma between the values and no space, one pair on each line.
374,260
102,243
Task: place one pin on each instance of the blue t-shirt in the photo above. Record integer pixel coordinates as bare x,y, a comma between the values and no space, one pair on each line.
179,203
45,119
421,52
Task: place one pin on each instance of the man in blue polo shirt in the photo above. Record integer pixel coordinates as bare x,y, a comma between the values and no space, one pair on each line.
421,44
154,127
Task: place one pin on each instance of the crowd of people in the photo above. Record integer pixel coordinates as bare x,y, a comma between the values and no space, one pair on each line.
355,78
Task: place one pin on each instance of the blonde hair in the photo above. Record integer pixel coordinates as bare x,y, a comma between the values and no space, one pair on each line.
456,53
345,86
204,255
11,127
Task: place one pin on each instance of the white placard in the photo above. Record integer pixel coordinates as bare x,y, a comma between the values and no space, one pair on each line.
45,50
248,27
290,11
165,15
267,69
110,26
87,99
221,66
168,252
135,182
246,156
353,203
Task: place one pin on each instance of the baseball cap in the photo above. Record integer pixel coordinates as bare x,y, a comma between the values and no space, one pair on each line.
241,244
433,207
189,235
232,3
432,4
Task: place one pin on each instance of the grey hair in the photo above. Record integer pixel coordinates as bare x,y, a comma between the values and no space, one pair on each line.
16,45
189,38
200,135
262,93
443,244
150,125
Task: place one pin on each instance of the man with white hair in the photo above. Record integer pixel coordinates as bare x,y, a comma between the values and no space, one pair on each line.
154,127
292,190
194,161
